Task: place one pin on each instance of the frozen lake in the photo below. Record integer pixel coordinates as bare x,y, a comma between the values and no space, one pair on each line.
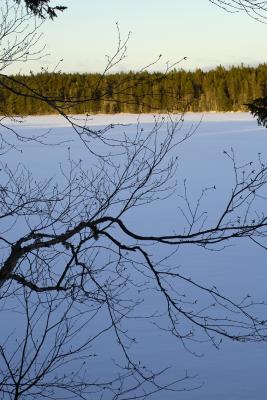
237,371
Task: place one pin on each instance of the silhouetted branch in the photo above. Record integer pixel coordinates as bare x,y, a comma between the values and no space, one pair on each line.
254,8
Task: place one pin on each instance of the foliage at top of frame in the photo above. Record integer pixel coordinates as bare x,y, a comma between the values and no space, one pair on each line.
41,8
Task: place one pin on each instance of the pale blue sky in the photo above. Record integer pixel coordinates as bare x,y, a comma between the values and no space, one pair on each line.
207,35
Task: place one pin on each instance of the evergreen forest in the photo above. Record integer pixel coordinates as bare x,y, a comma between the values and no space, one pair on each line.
220,89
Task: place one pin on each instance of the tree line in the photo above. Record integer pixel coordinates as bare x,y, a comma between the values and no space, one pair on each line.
220,89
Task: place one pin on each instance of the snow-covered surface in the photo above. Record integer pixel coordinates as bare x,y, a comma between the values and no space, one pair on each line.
237,371
49,121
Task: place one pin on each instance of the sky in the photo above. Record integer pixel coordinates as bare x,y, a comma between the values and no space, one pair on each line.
205,34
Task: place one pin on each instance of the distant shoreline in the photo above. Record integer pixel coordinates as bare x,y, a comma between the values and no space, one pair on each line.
55,120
